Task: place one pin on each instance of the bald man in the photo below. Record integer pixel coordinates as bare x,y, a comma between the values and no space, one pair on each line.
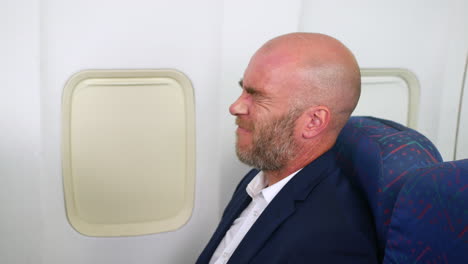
296,206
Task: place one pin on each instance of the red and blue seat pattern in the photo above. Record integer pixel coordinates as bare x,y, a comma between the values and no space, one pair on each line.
429,223
378,155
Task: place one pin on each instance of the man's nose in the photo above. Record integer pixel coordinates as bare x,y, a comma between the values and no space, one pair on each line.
239,107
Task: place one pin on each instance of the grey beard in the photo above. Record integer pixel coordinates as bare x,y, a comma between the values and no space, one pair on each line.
273,145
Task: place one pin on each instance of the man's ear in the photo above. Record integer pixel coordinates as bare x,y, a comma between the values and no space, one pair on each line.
317,119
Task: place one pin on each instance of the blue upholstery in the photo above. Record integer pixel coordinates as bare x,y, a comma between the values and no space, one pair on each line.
378,154
429,223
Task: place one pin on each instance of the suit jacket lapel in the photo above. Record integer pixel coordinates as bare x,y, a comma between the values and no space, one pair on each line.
266,224
282,207
238,203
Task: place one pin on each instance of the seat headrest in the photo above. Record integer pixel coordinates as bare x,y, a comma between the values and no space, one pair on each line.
430,220
377,154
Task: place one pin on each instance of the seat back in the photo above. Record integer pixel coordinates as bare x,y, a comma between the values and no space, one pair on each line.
377,154
429,223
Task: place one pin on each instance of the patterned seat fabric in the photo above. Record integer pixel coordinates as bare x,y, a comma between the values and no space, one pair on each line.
430,220
378,154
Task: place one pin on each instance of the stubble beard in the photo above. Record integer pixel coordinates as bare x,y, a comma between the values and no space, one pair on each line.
273,144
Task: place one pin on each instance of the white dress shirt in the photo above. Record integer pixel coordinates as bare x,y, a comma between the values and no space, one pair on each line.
261,197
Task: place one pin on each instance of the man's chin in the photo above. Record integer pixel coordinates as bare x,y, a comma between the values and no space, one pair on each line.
243,144
244,158
242,150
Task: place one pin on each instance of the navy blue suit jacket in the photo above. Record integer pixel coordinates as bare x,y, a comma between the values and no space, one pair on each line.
318,217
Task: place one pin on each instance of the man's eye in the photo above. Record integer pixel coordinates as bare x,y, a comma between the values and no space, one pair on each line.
251,91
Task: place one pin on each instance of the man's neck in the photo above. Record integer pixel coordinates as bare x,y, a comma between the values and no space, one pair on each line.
272,177
305,154
301,160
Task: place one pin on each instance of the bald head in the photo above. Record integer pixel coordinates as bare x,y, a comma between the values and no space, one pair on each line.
322,71
298,92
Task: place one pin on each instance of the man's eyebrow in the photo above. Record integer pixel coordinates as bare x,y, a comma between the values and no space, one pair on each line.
249,90
241,83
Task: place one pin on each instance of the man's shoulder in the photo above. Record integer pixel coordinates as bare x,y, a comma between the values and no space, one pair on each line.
338,195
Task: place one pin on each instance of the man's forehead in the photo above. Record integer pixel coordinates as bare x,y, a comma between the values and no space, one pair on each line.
274,58
269,67
275,71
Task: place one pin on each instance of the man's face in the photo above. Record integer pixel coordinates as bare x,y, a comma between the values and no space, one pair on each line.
265,119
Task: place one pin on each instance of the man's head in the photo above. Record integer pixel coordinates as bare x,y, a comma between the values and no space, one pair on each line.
298,92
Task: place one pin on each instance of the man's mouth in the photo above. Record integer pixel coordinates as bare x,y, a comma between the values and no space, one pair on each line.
244,126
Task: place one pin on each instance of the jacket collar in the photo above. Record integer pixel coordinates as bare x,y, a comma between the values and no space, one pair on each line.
281,207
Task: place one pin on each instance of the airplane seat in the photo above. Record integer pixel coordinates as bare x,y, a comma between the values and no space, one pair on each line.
378,154
429,223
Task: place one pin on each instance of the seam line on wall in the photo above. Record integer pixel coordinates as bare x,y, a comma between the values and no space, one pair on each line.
460,105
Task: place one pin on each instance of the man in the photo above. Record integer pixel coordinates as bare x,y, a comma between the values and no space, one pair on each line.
298,91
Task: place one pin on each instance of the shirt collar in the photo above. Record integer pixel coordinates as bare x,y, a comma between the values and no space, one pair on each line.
258,185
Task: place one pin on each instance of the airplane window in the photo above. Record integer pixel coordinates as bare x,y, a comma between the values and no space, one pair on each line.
390,94
128,151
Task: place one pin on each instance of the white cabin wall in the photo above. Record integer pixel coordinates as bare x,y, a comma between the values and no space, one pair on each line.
139,34
454,69
415,35
462,141
20,221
